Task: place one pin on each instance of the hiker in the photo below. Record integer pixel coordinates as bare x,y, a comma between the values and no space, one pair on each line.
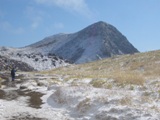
13,71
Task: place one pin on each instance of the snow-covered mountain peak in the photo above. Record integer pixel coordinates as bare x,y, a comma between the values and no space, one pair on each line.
97,41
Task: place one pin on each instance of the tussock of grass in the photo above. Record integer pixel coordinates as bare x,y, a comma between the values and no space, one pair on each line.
97,83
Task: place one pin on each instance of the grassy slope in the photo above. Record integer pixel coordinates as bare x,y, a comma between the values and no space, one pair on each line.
125,69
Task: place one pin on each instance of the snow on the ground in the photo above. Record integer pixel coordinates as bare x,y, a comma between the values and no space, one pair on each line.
19,109
11,109
81,101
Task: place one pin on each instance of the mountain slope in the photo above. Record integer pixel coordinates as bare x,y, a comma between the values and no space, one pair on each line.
99,40
131,68
123,87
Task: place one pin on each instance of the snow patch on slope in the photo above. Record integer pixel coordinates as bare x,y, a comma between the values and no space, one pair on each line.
37,59
82,101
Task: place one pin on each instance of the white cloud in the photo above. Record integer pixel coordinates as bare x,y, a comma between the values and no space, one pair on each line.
78,6
18,30
9,27
58,25
34,25
35,16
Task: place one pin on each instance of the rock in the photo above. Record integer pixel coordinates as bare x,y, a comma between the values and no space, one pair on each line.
42,83
22,87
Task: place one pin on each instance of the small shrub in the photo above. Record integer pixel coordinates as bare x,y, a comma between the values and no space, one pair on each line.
102,99
146,99
156,108
146,94
108,86
84,105
0,82
131,87
125,101
97,83
159,92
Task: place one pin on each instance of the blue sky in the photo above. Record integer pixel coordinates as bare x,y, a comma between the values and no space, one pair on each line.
23,22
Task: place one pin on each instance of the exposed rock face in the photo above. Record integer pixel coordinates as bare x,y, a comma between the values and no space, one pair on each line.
7,64
24,58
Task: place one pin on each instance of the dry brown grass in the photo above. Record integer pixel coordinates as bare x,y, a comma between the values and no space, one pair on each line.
125,69
128,78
